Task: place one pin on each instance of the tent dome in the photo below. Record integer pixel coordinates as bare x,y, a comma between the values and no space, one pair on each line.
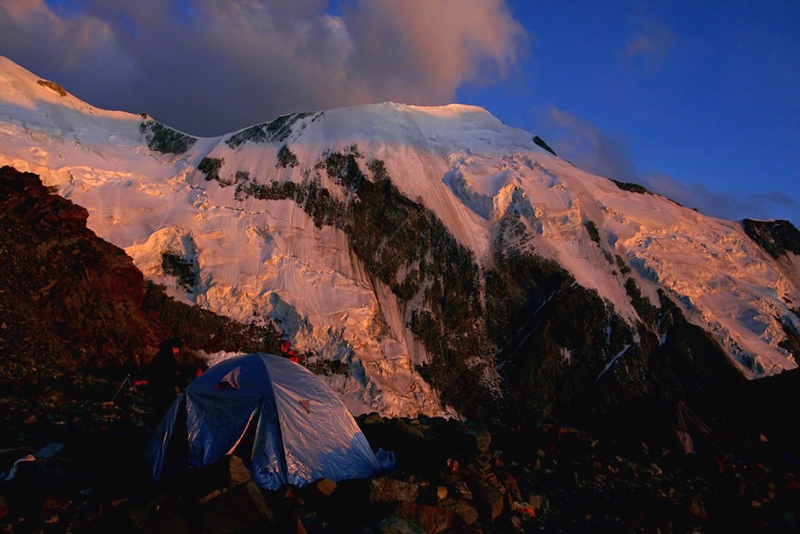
284,422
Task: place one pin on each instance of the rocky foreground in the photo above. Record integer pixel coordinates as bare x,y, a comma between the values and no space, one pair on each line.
90,475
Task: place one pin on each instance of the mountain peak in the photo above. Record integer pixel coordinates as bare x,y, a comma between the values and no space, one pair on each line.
438,260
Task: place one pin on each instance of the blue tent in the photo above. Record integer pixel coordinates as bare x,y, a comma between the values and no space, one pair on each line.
284,422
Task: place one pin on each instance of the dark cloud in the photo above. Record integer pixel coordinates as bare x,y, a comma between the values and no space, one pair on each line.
209,67
77,51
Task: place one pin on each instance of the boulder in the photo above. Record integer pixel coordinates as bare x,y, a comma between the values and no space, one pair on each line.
432,519
385,489
236,509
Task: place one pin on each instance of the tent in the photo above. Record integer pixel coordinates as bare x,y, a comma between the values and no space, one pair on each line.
284,422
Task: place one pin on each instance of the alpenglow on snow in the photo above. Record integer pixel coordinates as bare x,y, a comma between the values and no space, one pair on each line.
451,264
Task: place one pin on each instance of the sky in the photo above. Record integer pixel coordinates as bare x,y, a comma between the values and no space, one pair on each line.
698,101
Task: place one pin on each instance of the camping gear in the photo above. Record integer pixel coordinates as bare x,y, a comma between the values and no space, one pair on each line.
284,422
45,453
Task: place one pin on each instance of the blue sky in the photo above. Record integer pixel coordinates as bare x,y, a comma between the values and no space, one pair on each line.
699,101
696,100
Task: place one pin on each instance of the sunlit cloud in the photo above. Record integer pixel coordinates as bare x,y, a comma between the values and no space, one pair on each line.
443,42
208,67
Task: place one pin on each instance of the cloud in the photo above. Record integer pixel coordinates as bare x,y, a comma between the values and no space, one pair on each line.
583,144
729,205
37,38
443,42
586,146
209,67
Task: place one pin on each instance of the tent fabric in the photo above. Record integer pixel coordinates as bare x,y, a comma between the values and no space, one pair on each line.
284,422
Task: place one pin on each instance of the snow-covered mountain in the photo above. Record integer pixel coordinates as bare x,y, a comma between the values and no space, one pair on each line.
452,264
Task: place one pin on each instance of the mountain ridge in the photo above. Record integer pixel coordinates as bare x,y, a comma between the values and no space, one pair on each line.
453,264
72,300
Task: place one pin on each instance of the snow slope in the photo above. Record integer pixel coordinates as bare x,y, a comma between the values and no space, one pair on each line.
258,258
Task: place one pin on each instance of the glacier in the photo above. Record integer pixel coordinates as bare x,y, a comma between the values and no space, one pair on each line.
254,214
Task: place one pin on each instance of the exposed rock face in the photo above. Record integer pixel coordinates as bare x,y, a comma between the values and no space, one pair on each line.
71,299
54,86
66,295
776,237
555,348
565,352
163,139
520,339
